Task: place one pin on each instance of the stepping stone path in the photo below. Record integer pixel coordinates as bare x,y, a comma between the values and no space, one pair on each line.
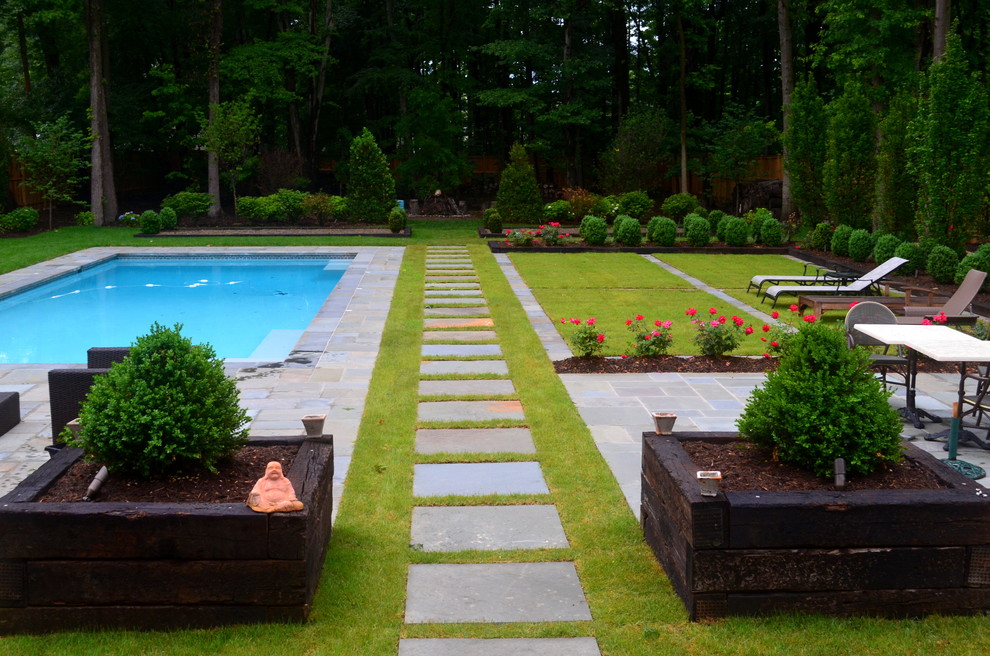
457,317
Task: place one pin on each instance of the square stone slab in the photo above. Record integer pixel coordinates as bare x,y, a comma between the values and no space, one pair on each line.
454,311
469,410
452,293
460,350
478,478
496,592
485,528
466,387
499,647
451,336
444,367
475,322
474,440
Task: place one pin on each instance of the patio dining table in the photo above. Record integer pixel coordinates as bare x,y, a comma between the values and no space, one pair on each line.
940,343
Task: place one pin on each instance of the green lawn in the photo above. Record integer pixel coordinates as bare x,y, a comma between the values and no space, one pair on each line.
359,606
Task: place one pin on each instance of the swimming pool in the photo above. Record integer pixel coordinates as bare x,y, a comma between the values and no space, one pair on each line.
250,307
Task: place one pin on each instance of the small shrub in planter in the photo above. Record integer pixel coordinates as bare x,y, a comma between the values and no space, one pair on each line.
885,247
520,238
21,219
716,335
677,206
821,236
492,220
149,222
913,254
772,233
559,211
860,245
167,408
397,219
549,234
627,231
649,340
795,414
594,230
697,230
662,231
636,204
168,219
840,240
723,224
189,204
942,263
736,231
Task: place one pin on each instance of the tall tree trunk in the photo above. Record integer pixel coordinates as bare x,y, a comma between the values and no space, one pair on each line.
943,16
786,89
682,90
325,27
620,63
570,130
103,191
213,91
22,48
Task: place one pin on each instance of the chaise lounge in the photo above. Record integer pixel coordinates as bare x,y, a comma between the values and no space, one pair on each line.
868,283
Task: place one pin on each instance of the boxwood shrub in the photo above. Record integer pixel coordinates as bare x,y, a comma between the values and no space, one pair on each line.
821,237
627,231
662,231
914,255
697,230
736,231
636,204
149,223
840,240
942,263
772,233
493,220
885,247
677,206
189,204
594,230
860,245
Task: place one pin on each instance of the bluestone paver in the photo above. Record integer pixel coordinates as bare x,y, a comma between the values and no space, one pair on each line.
470,311
466,387
460,350
478,478
498,647
451,336
475,322
474,440
456,411
447,367
460,528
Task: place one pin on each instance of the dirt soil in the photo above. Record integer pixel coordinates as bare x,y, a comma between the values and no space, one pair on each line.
699,364
747,467
230,484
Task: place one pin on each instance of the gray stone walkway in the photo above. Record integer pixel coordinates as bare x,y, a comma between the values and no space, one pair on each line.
483,592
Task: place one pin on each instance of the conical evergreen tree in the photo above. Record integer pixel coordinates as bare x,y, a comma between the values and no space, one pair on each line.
371,188
518,199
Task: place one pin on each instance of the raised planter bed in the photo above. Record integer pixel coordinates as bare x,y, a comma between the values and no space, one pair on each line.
899,553
162,565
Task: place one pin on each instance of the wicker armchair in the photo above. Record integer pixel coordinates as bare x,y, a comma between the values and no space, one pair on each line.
883,363
67,389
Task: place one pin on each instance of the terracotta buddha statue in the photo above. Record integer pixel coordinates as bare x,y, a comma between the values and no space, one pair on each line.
273,492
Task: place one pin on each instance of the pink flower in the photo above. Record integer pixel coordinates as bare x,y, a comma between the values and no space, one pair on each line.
715,323
712,311
766,328
775,314
628,322
853,304
763,339
600,338
810,318
749,330
794,308
554,224
691,312
926,322
591,321
576,322
656,333
940,318
639,317
563,321
667,324
766,355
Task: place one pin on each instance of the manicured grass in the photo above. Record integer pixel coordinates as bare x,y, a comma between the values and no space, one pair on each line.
586,270
732,271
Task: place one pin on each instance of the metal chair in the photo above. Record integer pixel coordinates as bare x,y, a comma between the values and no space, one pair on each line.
883,362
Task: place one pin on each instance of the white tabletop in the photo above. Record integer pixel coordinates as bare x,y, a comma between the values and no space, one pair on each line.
940,343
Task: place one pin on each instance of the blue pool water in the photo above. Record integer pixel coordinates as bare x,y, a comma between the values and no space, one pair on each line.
252,308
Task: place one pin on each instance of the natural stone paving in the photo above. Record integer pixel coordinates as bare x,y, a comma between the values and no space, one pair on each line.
459,528
453,293
478,478
499,647
455,311
460,350
457,411
478,322
466,387
468,367
474,440
459,336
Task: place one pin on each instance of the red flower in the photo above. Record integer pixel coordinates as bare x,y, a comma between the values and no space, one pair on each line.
763,339
628,322
810,318
775,344
775,314
738,321
691,312
600,338
926,322
657,323
712,311
722,319
591,321
766,328
624,356
639,317
576,322
749,330
794,308
647,336
766,355
853,304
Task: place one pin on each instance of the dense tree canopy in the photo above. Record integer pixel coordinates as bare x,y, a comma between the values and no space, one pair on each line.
441,83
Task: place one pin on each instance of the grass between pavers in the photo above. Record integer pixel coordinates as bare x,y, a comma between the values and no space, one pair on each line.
585,270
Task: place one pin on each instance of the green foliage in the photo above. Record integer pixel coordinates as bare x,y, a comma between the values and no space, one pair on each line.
978,260
371,188
942,263
582,201
149,222
636,204
550,235
189,204
233,137
722,226
737,139
521,238
714,218
492,220
633,159
289,205
821,236
85,218
717,335
772,233
255,209
850,163
861,245
795,413
558,211
649,340
805,139
662,231
324,208
677,206
397,219
54,157
167,408
736,231
168,219
697,230
588,340
21,219
885,247
606,207
949,153
840,240
756,219
893,207
594,230
627,231
914,255
431,143
518,198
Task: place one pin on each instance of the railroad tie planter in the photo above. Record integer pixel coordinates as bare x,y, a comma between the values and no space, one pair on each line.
896,553
162,565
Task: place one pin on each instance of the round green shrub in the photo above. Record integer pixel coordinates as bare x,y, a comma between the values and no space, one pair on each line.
756,219
323,207
979,259
840,240
288,205
662,231
942,263
85,218
677,206
821,236
253,209
721,227
913,254
636,204
772,233
736,231
885,247
518,197
21,219
493,220
714,218
189,204
627,231
795,414
559,211
149,222
397,219
860,245
593,230
698,231
168,219
167,408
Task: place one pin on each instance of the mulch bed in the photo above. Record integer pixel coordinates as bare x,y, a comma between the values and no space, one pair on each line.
230,484
699,364
748,467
